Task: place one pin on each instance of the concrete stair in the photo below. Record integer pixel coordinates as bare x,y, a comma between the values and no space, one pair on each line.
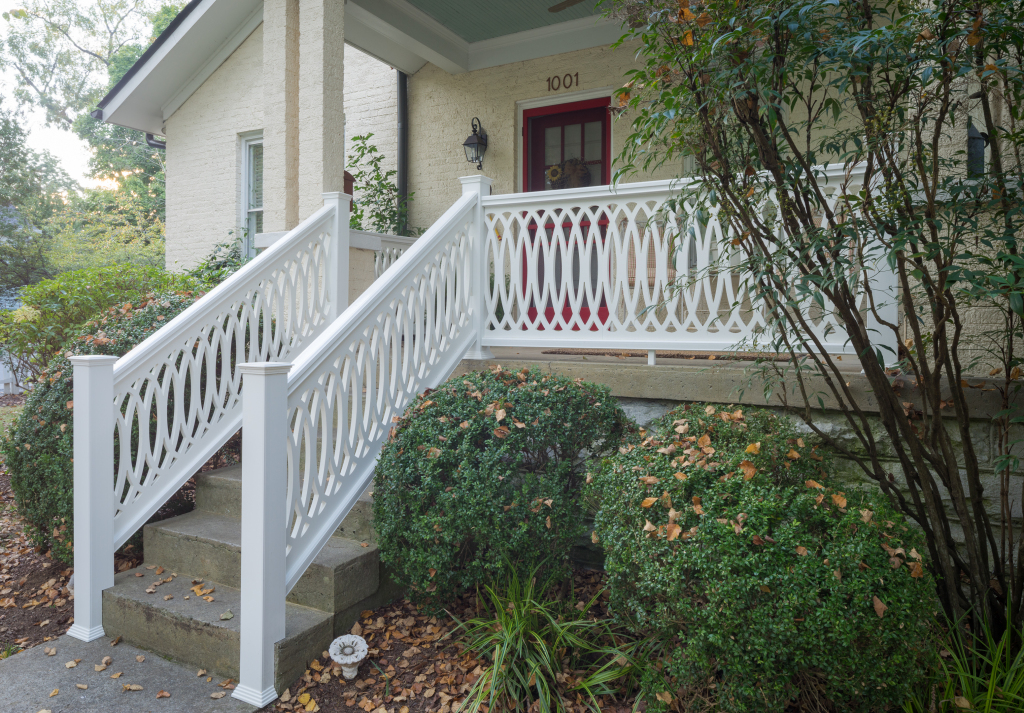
345,578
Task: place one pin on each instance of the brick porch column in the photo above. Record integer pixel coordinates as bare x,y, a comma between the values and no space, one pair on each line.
280,115
321,102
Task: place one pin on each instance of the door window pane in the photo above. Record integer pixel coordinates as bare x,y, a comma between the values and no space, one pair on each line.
593,133
573,141
553,145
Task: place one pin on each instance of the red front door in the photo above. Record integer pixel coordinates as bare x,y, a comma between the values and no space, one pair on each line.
567,146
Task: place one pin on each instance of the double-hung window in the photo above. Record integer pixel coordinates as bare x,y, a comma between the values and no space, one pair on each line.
252,192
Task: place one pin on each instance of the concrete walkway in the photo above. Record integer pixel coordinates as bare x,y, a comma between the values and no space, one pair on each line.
28,678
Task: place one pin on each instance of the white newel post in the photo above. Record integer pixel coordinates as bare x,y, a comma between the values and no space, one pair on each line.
94,491
264,489
480,186
338,260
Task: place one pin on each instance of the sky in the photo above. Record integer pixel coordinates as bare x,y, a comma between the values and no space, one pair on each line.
73,152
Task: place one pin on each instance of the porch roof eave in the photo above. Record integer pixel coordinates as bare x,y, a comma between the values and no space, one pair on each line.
206,32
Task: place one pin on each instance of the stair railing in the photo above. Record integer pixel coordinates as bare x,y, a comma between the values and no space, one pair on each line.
407,332
145,423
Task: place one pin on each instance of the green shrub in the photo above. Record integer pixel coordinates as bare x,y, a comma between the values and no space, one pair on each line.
39,448
488,467
52,311
724,537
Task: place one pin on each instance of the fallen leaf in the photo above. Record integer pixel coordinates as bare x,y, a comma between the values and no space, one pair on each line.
82,686
117,675
814,484
754,448
218,694
865,515
140,658
50,652
163,694
916,570
839,499
879,607
961,702
704,441
99,667
72,664
201,672
748,469
116,641
106,661
54,693
801,550
648,502
792,455
227,615
758,540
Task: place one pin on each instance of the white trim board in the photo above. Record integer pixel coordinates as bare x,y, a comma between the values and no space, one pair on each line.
552,100
213,64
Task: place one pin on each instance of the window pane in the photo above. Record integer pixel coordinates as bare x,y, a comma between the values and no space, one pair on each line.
573,141
552,145
253,227
256,176
594,141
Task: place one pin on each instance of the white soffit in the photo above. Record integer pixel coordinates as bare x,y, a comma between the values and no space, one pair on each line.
182,62
405,37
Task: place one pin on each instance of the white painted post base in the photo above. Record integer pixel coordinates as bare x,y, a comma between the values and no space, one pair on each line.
651,357
478,351
94,491
264,536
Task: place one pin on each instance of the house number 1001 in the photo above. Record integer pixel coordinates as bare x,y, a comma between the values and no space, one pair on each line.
564,82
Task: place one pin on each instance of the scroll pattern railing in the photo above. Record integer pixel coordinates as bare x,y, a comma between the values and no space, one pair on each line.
404,334
622,267
178,394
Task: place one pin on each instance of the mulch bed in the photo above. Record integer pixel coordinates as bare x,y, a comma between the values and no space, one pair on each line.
414,664
12,400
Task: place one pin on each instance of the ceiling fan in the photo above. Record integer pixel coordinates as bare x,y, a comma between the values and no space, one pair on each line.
564,5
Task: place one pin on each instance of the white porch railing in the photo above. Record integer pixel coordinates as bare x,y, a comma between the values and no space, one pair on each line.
615,268
387,248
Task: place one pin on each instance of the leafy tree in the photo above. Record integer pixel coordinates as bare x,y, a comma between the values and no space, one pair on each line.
66,55
886,91
104,227
31,188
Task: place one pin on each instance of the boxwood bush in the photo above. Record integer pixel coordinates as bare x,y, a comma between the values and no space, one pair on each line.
38,448
726,538
488,468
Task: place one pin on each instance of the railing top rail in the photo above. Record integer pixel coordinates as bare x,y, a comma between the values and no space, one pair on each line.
373,241
214,299
378,293
620,190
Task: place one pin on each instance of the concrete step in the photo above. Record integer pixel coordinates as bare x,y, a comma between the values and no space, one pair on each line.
220,491
192,632
208,545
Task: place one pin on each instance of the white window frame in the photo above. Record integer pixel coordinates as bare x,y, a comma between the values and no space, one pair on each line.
246,220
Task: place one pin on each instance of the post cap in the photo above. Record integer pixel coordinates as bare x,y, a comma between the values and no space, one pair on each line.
265,367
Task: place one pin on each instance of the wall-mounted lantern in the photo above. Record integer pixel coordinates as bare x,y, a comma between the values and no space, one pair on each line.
476,144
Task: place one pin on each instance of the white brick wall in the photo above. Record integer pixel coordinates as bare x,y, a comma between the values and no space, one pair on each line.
441,106
204,154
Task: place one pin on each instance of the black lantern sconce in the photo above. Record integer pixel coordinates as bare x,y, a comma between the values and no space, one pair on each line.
476,145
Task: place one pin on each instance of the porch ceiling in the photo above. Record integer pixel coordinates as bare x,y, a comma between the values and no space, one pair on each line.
473,20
